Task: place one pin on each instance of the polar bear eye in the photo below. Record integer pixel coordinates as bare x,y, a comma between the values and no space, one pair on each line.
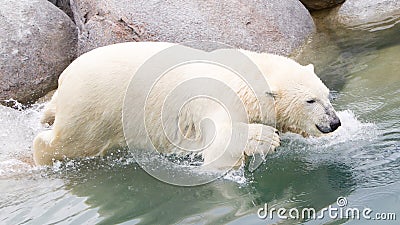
311,101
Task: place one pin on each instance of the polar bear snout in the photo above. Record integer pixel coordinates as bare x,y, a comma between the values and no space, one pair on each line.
334,124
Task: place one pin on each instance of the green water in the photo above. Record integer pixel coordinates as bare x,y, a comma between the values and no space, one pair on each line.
361,161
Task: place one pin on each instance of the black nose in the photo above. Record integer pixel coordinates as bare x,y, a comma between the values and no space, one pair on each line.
335,124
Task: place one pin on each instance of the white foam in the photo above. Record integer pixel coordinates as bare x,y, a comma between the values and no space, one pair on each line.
351,130
236,176
17,131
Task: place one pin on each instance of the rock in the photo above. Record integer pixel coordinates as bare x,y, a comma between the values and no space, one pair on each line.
365,13
37,42
354,12
274,26
320,4
64,6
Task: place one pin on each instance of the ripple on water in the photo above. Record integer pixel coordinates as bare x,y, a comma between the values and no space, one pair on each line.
379,25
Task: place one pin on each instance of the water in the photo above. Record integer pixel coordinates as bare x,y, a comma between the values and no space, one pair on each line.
360,161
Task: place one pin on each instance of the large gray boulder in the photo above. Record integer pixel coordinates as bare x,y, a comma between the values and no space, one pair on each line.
262,25
365,13
64,5
37,42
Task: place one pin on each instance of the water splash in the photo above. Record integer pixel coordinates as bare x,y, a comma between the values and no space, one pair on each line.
17,131
352,130
348,143
356,144
237,176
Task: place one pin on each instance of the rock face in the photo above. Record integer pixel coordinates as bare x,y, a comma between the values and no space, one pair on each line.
37,42
321,4
260,25
64,6
355,12
364,14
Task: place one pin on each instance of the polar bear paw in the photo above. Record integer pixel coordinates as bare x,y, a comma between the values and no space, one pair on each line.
262,140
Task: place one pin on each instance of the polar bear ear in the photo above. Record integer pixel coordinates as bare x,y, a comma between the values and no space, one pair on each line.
310,67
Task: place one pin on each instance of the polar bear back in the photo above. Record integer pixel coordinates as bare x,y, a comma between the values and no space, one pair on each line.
91,92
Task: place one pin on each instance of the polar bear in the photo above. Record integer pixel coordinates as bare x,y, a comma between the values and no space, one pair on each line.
86,111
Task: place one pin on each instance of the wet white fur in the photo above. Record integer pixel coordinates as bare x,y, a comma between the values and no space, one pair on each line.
87,107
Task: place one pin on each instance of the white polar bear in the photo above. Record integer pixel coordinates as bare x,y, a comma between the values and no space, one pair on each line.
87,108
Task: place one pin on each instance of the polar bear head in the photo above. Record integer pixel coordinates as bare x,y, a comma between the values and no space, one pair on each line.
301,99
